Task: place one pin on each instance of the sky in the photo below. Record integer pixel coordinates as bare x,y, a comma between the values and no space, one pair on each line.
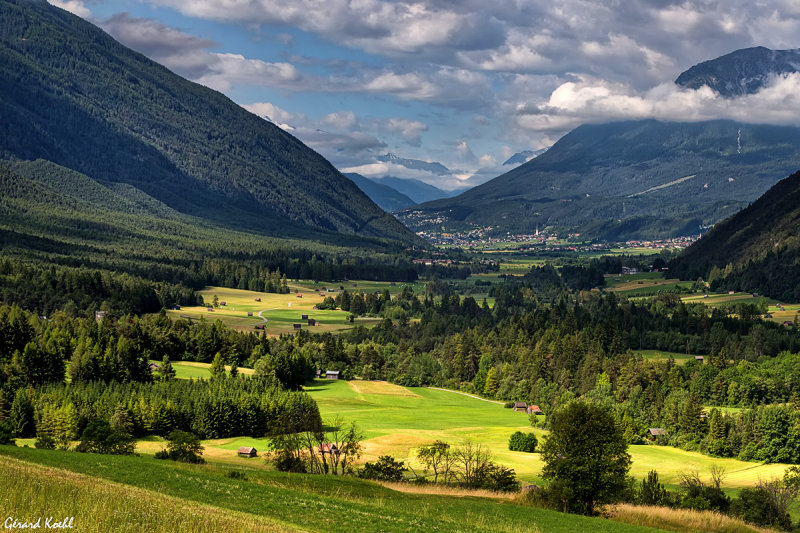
467,83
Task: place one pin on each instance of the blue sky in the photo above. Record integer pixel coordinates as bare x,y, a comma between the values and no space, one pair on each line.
466,83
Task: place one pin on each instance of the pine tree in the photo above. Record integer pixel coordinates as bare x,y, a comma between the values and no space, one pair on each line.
490,389
217,367
166,370
21,417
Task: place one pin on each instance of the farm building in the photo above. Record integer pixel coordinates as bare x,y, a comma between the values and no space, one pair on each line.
249,313
312,322
318,373
223,303
330,449
257,299
297,326
534,410
299,295
652,433
176,307
100,315
699,358
521,407
246,451
788,323
154,366
332,374
210,309
303,317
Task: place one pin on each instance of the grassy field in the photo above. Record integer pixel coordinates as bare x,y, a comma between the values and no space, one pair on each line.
661,355
276,312
397,422
192,370
138,493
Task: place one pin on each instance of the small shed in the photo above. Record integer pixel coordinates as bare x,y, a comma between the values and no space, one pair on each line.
299,295
312,322
297,326
100,315
246,451
176,307
318,373
257,299
768,315
249,313
329,448
520,407
303,317
788,323
210,309
332,374
652,433
154,367
534,410
699,358
223,303
731,292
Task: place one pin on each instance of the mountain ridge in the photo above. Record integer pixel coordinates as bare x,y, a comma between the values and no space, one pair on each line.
73,95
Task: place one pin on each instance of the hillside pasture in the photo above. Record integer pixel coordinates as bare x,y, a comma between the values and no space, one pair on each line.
398,425
198,498
276,312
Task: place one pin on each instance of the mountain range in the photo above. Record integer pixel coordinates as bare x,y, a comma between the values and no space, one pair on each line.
386,197
638,179
73,96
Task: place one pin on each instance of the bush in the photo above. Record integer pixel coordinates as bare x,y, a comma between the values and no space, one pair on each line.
651,491
100,437
6,433
386,468
45,442
182,446
523,442
508,405
236,474
499,479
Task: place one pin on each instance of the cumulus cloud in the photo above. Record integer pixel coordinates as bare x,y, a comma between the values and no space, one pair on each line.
575,103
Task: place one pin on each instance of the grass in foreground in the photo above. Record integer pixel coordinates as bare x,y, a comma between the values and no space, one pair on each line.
680,519
32,491
311,503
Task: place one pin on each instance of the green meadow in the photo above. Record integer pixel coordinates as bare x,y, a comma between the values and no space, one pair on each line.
397,420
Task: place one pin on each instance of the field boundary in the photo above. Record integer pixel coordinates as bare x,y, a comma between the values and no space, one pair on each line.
466,394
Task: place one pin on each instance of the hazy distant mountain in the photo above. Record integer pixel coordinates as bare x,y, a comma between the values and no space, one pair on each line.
628,179
386,197
741,72
759,243
72,95
415,164
417,190
524,156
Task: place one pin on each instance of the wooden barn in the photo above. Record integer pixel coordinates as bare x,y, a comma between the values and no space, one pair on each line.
534,410
303,317
257,299
297,326
332,374
521,407
312,322
652,433
246,451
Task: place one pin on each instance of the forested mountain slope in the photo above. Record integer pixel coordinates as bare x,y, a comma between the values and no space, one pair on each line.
757,249
72,95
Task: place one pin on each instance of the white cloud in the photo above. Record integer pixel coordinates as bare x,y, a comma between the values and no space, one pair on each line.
575,103
76,7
